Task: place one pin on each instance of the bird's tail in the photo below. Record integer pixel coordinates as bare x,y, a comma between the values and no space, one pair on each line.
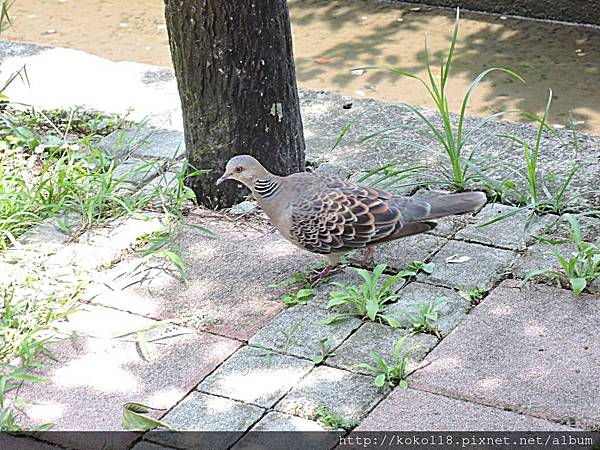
448,205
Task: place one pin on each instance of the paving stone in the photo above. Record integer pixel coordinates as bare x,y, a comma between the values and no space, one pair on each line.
162,182
412,410
204,412
298,331
123,234
145,143
313,436
101,366
83,256
589,226
136,285
400,253
44,233
485,266
146,445
9,442
254,377
235,299
530,350
276,421
452,307
137,171
509,233
375,337
349,395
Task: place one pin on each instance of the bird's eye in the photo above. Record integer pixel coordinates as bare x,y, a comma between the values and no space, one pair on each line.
238,169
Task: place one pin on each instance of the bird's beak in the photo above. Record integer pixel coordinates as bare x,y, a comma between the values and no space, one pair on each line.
223,178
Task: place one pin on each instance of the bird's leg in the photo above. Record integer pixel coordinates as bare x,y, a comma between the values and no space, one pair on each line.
330,269
369,254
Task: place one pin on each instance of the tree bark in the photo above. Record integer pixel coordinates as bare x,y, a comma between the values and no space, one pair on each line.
235,73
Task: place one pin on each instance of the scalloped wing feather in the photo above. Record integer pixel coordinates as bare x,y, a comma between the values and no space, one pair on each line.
341,216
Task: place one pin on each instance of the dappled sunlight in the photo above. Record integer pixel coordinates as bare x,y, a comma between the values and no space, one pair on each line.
317,110
166,398
257,383
101,322
45,412
534,330
217,404
501,310
278,249
490,383
101,368
444,363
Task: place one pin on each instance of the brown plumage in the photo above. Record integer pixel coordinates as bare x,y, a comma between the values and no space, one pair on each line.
330,216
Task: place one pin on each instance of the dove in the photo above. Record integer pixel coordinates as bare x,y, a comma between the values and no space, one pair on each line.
330,216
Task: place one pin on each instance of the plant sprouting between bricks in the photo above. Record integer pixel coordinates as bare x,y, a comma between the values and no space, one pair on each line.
543,193
324,348
457,171
367,300
392,373
332,420
473,296
581,268
423,317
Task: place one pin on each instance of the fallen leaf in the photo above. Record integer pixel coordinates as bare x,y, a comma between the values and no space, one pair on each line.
455,259
322,61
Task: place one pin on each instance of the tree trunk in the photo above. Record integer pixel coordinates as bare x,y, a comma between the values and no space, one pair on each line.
235,72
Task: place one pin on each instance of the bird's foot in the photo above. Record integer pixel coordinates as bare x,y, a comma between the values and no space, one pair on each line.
320,275
369,260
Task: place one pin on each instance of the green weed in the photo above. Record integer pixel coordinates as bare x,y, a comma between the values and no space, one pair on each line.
581,268
474,295
458,173
26,317
325,347
423,317
300,297
415,267
332,420
393,373
543,193
367,300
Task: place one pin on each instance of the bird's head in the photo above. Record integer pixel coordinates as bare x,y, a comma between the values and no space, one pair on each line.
245,169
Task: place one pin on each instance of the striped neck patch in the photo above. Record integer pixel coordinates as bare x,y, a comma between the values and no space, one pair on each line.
265,188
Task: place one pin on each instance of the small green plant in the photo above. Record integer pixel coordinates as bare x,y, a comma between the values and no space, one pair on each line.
423,317
325,346
334,421
543,193
581,268
415,267
393,373
452,137
367,300
289,337
300,297
473,295
26,316
302,288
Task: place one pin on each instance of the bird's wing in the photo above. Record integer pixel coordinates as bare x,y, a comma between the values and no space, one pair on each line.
340,216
